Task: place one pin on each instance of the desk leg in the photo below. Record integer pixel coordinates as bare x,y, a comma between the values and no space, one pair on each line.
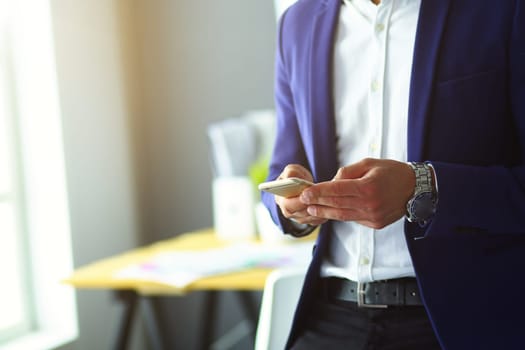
250,309
129,299
208,317
152,325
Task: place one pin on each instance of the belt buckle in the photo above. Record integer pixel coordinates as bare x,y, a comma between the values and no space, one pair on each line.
361,298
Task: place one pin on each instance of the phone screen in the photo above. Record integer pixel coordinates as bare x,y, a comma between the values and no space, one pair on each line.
289,187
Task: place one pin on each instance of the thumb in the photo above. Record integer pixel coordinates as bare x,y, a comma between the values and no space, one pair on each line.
296,170
354,171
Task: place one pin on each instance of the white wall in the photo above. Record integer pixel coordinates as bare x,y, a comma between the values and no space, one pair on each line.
201,61
97,141
139,81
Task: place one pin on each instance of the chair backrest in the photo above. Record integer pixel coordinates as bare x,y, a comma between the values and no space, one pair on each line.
280,296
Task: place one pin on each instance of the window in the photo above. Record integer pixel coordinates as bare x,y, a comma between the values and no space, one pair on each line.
36,310
15,315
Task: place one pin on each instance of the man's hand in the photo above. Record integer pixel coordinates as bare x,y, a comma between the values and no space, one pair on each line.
292,208
372,192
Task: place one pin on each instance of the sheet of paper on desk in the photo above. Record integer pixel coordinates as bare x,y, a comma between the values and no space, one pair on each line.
180,268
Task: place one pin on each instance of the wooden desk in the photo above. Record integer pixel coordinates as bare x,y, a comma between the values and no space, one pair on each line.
101,275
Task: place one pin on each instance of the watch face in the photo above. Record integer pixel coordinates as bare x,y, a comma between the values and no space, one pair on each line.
422,207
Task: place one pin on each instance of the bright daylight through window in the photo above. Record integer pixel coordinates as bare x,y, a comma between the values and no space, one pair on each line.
14,299
36,310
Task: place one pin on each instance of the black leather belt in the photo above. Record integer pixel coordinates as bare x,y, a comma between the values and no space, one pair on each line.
378,294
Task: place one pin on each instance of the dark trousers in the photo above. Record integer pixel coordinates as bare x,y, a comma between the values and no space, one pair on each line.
334,324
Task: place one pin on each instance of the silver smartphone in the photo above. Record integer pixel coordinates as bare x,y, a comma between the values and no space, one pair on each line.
289,187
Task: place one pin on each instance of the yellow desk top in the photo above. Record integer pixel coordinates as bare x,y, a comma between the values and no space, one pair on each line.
100,274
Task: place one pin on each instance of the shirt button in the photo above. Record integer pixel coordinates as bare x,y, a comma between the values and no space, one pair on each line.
373,147
380,27
375,86
364,260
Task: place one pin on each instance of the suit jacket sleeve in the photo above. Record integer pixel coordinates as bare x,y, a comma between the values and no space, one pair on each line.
288,147
490,198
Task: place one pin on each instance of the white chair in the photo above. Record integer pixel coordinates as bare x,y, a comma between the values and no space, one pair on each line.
280,296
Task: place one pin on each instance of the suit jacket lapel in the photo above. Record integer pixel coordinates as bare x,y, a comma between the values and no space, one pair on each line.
432,17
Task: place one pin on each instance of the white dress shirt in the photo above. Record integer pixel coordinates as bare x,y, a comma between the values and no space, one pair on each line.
372,67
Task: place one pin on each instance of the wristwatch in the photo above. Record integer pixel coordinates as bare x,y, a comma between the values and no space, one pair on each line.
422,206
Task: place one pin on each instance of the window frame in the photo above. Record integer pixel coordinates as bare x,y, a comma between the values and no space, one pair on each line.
41,188
13,197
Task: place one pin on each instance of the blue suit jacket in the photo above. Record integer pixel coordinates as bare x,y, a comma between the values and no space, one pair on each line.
466,116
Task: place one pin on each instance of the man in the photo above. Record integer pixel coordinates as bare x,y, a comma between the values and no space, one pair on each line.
364,87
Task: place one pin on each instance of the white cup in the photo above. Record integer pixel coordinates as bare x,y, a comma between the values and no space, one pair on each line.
233,208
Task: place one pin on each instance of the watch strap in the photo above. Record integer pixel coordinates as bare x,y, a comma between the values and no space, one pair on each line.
423,174
421,207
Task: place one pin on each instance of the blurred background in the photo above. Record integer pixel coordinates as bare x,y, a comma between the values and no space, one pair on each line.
138,82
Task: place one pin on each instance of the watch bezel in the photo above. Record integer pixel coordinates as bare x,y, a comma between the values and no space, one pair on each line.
421,208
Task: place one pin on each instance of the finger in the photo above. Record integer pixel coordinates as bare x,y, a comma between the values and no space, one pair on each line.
293,214
290,206
310,220
296,170
336,214
375,220
341,202
315,221
303,217
338,188
299,215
